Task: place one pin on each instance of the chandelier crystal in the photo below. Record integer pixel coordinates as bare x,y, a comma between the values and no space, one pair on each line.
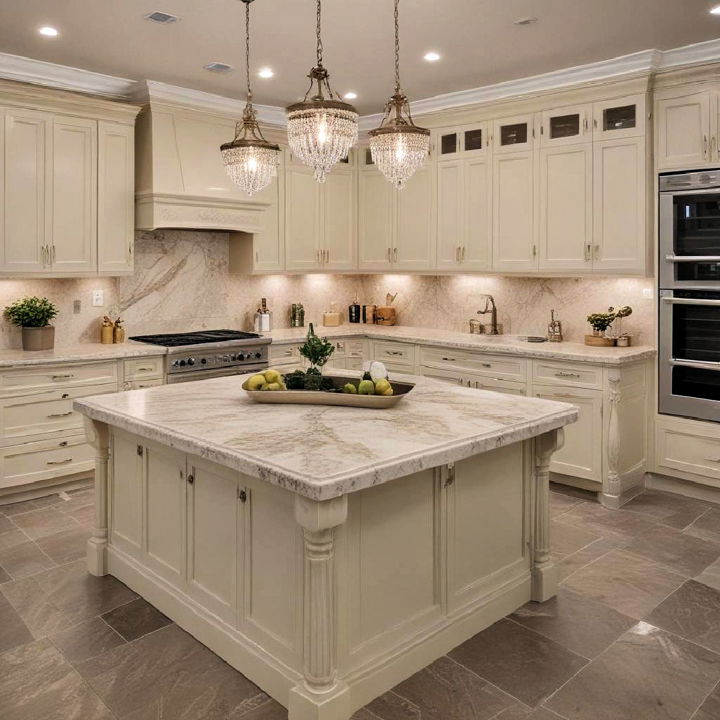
322,128
398,147
250,160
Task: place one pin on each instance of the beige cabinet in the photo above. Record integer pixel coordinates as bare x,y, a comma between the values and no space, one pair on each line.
514,227
566,204
302,219
620,117
620,237
376,217
339,225
514,134
686,129
565,126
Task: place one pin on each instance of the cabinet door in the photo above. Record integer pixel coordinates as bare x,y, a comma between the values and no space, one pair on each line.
514,134
116,197
74,195
619,206
619,118
28,141
514,247
450,228
565,126
338,211
565,191
477,214
415,235
581,455
376,218
302,224
448,143
269,243
683,138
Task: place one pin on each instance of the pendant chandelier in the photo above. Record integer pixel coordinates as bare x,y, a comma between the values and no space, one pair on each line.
322,128
398,147
250,160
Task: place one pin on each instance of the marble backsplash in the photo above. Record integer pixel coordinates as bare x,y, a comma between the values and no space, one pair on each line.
182,282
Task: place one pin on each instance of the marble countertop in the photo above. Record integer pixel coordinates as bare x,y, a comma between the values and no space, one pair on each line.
504,344
321,451
77,353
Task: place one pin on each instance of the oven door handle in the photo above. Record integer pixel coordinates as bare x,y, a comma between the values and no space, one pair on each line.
691,301
687,190
702,365
692,258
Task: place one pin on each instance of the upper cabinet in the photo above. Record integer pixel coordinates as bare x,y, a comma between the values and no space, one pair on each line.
67,186
687,129
514,134
566,126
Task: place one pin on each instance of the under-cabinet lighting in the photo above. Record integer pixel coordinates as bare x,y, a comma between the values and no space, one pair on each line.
48,31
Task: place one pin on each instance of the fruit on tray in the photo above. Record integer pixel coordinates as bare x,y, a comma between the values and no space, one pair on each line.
383,387
268,380
350,388
366,387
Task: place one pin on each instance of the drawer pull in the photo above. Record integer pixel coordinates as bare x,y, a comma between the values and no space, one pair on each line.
59,462
486,365
562,373
64,443
64,395
449,359
394,352
59,415
145,369
62,377
568,396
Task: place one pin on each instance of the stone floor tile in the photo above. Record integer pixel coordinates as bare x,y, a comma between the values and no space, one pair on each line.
571,563
673,549
521,713
67,545
570,491
710,575
17,508
707,526
80,595
567,539
36,682
84,515
669,509
390,706
25,559
13,631
6,524
40,615
630,584
648,674
617,524
710,709
4,577
693,612
78,500
445,689
86,640
269,710
135,619
45,521
171,669
561,503
585,626
47,501
523,663
11,538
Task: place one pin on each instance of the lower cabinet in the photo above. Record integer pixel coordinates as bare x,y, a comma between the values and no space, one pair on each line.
688,449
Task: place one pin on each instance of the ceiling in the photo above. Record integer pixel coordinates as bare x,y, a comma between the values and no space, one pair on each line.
477,39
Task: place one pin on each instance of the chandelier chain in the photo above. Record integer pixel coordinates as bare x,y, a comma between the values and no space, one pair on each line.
397,48
319,38
247,50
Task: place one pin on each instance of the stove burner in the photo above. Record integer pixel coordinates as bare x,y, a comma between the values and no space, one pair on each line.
195,338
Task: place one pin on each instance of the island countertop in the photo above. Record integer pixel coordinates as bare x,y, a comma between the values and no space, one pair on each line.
323,452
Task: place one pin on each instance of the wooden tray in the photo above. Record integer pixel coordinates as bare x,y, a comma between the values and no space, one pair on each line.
319,397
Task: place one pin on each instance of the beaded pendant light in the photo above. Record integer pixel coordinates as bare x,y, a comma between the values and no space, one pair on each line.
250,160
322,128
398,147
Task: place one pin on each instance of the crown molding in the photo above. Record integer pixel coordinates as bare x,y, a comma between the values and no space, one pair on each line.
63,77
696,54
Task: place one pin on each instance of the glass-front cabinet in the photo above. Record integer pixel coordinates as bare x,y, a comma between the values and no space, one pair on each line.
514,134
566,126
619,118
465,141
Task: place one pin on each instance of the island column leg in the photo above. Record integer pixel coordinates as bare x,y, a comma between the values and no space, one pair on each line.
98,436
319,696
544,572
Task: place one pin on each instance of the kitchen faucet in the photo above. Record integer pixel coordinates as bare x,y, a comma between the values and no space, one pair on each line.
490,307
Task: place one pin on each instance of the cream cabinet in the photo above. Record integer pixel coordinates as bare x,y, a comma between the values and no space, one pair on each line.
566,126
376,214
687,129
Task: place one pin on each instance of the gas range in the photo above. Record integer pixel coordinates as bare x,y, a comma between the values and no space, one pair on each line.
210,353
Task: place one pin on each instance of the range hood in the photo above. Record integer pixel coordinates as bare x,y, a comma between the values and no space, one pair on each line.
180,178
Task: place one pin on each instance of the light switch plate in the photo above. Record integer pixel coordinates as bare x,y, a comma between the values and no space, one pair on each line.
98,298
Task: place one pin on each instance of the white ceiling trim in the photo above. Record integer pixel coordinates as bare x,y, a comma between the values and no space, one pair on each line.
38,72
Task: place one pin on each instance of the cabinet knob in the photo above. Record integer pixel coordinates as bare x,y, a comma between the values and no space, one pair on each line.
242,496
191,479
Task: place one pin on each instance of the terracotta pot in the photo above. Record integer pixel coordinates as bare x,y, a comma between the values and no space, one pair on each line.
38,338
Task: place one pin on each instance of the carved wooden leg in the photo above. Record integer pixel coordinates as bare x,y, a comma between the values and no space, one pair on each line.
320,696
544,573
98,436
612,485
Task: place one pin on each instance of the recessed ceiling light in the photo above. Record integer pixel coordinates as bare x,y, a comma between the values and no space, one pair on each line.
265,72
350,95
715,10
48,31
525,21
431,56
162,17
218,67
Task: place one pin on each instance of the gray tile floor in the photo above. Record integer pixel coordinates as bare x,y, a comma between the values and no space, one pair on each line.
632,634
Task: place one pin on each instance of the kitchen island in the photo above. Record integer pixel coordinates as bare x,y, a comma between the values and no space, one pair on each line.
325,552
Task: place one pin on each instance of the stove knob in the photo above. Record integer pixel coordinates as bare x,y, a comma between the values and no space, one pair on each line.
181,363
258,354
240,356
233,357
203,361
191,361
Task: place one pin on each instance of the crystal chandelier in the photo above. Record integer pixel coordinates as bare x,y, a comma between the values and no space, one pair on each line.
250,160
322,128
398,147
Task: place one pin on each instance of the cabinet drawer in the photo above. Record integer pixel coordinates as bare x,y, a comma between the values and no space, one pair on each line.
354,363
480,382
32,462
354,348
141,384
503,367
29,380
578,375
44,413
280,353
143,368
398,354
685,450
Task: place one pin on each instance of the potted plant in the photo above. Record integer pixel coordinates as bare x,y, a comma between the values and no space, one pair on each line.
33,315
316,350
600,322
622,338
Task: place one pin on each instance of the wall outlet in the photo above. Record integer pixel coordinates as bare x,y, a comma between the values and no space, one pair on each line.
98,298
648,293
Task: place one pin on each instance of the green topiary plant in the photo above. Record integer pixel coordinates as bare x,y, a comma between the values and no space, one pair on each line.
31,312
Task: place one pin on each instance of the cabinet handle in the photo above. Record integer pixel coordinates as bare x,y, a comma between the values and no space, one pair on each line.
705,147
130,248
595,122
457,254
449,359
191,479
389,254
242,496
712,146
462,256
257,257
42,250
585,124
59,462
562,373
58,415
140,450
53,253
597,252
534,250
64,443
567,396
485,365
394,254
62,377
588,252
145,369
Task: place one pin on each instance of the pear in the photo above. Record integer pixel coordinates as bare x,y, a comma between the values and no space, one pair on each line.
350,389
383,387
366,387
271,386
254,383
272,376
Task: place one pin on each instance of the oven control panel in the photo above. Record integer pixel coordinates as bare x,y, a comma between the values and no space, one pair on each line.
198,359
